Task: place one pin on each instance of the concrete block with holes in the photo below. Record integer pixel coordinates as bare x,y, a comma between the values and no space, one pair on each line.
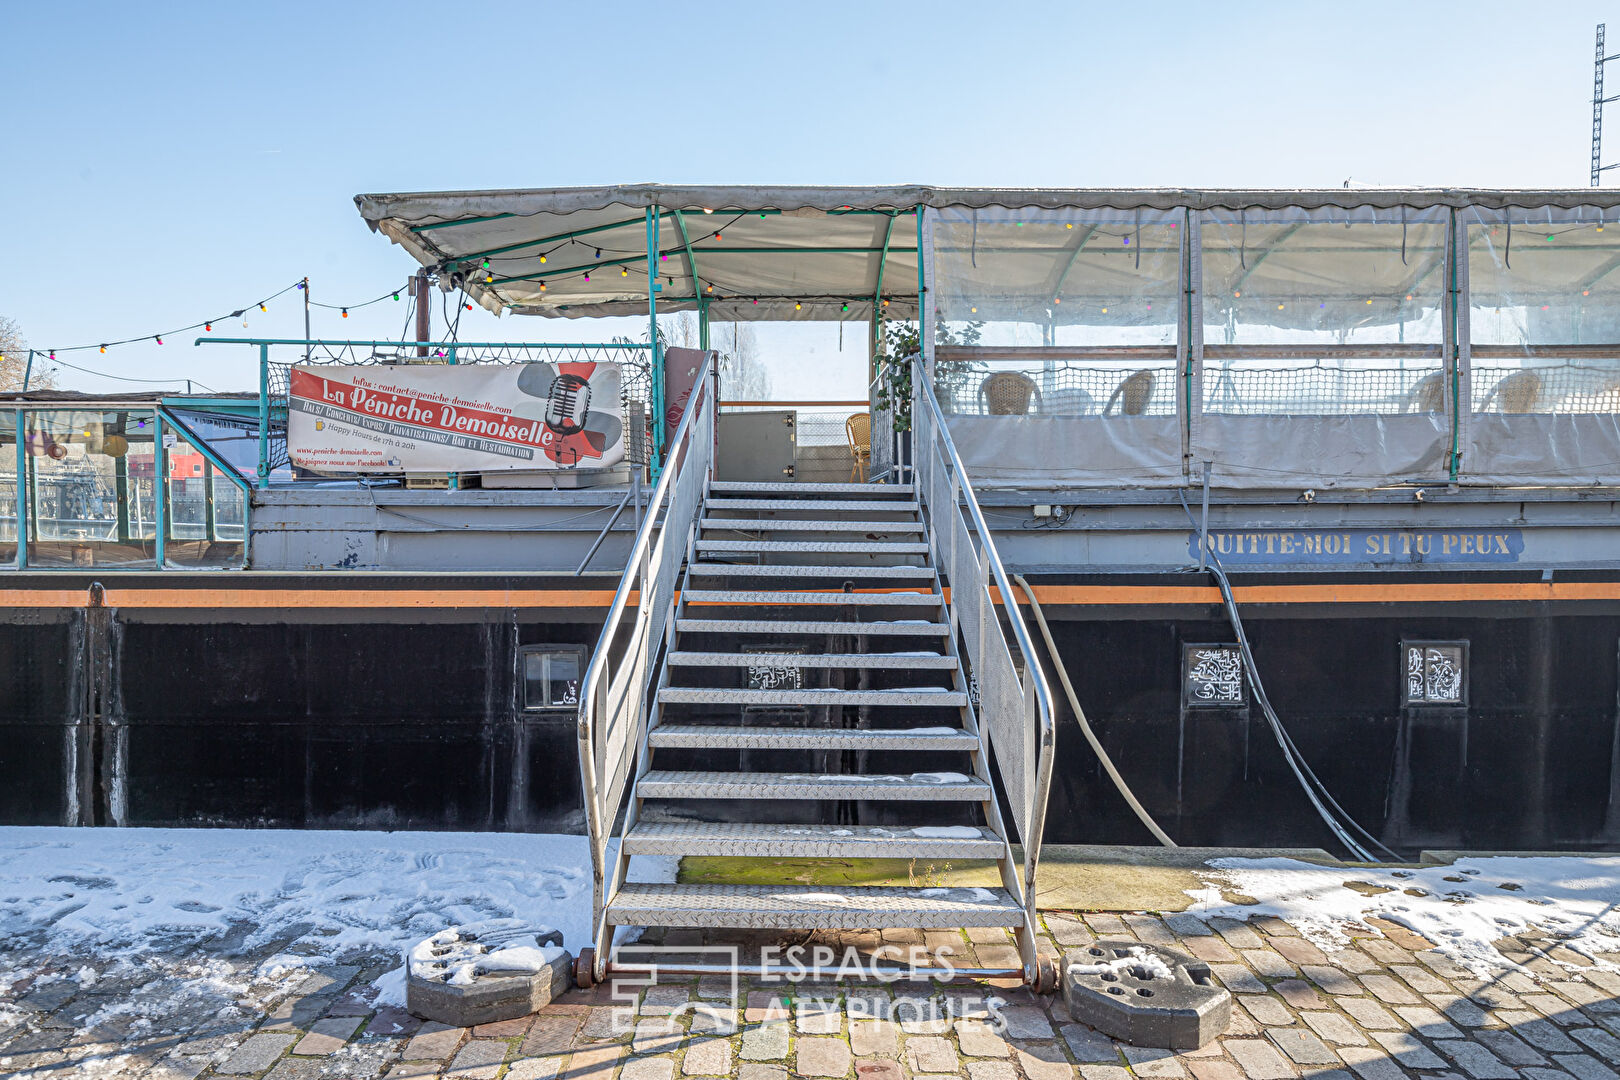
1146,995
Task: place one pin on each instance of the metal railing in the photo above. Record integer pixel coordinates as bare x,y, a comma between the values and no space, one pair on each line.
612,717
1015,712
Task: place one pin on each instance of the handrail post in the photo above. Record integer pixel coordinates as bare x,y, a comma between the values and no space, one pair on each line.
22,494
264,415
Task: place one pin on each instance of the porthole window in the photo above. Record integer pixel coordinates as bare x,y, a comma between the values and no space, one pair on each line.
551,675
1434,672
1212,676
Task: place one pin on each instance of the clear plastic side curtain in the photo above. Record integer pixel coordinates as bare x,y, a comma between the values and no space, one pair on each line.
1320,343
1054,337
1542,323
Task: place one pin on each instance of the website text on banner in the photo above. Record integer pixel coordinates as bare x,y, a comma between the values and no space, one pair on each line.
465,418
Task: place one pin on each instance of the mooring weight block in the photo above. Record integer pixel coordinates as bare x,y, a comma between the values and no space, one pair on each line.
462,976
1145,995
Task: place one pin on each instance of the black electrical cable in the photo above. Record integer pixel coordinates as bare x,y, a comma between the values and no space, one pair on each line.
1296,761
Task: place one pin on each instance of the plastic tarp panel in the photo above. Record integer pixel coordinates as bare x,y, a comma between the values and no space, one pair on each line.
1055,342
1079,451
1542,346
1321,342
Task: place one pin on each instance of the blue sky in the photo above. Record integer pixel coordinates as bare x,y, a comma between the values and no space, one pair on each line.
170,162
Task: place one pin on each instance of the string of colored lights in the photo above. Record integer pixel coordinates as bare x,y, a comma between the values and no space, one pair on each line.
206,325
391,294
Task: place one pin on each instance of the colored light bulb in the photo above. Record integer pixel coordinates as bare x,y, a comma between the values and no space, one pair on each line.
104,348
160,339
542,259
208,326
345,313
623,272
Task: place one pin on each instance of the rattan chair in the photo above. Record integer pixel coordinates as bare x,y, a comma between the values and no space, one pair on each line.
859,429
1007,393
1519,392
1133,394
1428,395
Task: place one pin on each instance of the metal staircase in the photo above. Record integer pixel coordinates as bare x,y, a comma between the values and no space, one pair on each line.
803,694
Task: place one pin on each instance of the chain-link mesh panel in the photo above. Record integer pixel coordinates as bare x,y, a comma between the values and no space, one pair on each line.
635,376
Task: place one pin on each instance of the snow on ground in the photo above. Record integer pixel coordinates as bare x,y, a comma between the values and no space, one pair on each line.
1464,907
316,896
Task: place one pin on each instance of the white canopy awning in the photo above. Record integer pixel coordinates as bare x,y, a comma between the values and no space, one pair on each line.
768,252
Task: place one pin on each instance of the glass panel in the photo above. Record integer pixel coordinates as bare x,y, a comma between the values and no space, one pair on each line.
1544,313
1057,286
205,509
1323,312
91,484
551,677
8,487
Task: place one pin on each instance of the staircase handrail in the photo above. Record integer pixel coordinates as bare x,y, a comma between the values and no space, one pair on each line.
934,448
685,475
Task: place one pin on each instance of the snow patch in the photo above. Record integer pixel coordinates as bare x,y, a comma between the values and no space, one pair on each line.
1465,908
939,778
1138,960
122,894
946,832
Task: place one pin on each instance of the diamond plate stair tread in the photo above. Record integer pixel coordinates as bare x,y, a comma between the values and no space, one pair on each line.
706,695
789,487
789,525
764,596
811,907
853,547
810,660
920,628
705,569
720,736
663,784
811,504
810,841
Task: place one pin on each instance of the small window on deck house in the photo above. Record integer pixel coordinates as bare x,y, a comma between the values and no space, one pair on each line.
551,676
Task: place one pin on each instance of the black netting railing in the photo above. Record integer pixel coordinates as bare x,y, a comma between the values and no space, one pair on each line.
1247,389
1059,389
1556,387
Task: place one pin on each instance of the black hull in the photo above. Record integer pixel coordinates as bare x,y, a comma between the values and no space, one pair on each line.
392,701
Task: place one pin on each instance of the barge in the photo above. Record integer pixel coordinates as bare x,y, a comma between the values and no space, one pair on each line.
1392,417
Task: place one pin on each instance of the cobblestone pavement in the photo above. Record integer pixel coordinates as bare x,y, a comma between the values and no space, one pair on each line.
1386,1007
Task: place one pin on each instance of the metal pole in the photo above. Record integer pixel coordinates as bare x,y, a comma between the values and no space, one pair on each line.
210,521
306,321
1597,110
703,325
21,489
28,371
160,488
264,415
653,288
424,314
1203,524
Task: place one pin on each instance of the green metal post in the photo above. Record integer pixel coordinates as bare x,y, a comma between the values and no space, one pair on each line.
653,288
453,479
28,372
160,488
264,415
703,324
22,502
